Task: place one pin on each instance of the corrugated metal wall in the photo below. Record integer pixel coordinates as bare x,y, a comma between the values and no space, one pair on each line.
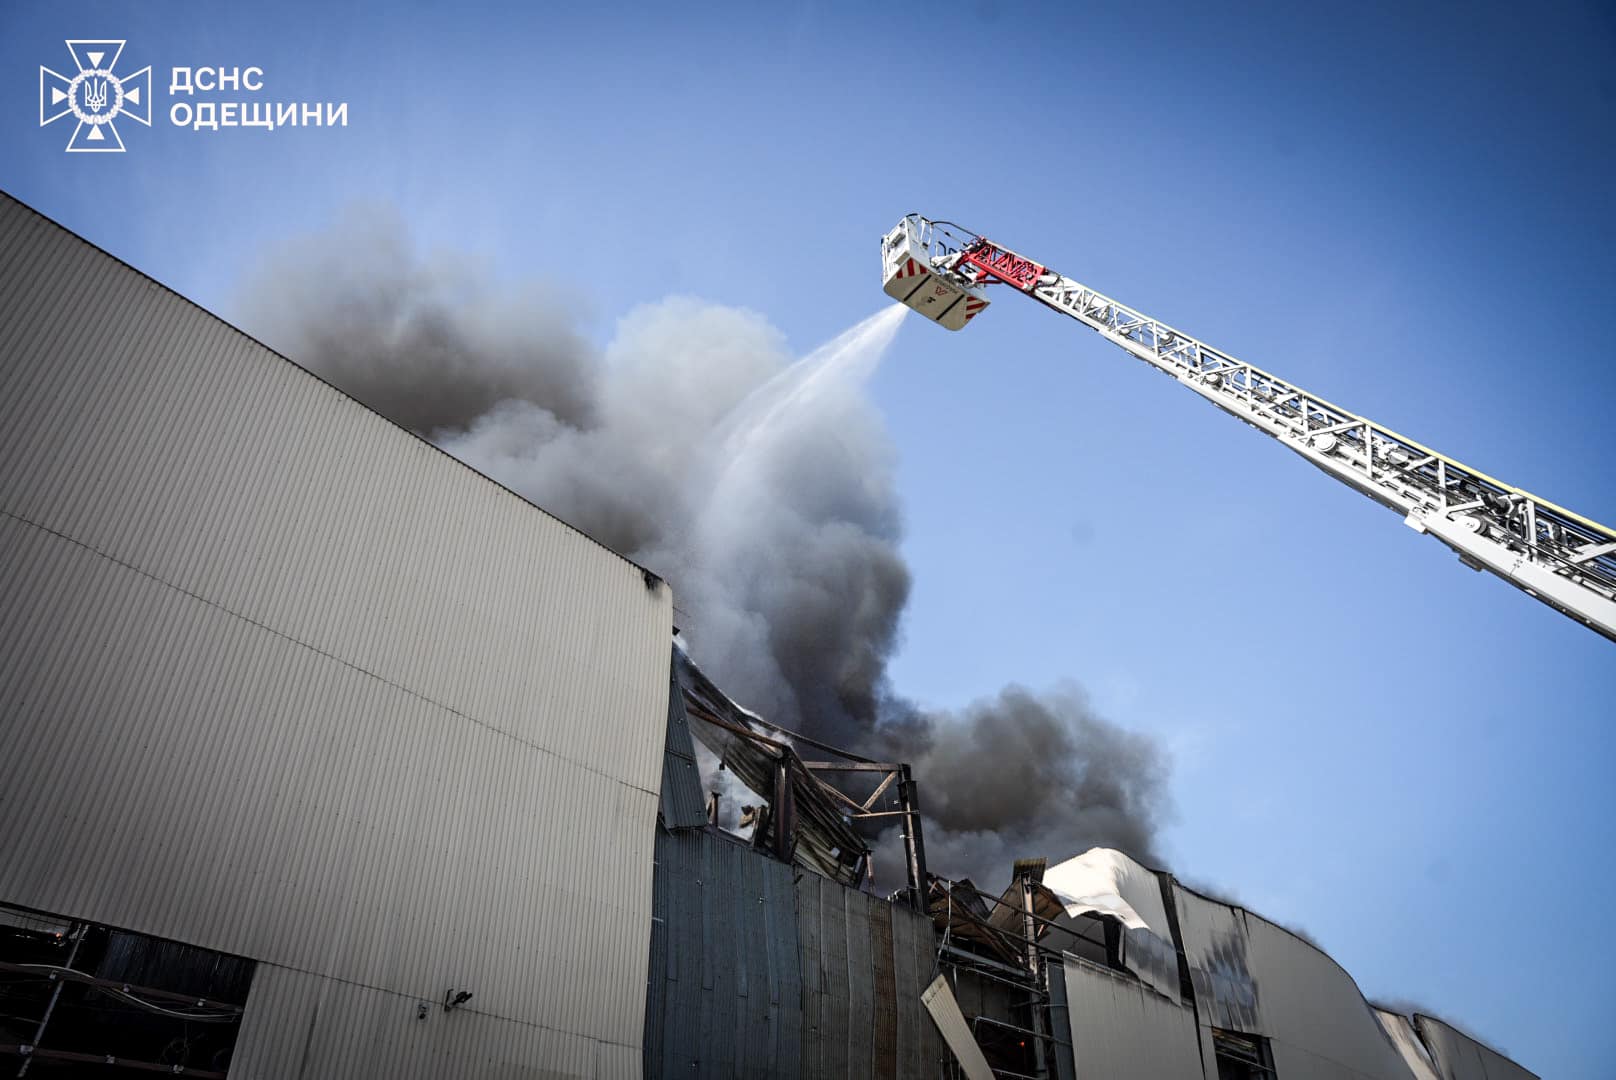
279,679
865,963
683,805
732,992
754,974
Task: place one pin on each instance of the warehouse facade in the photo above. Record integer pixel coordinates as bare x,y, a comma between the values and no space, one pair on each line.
323,755
281,681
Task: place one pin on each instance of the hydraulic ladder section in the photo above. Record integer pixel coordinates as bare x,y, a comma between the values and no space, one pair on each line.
1559,557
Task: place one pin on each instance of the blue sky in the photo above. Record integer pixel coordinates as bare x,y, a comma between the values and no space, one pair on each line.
1404,212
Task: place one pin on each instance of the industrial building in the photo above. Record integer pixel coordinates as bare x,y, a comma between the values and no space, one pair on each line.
323,755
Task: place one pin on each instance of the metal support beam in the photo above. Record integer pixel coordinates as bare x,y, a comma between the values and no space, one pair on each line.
1035,966
79,931
914,844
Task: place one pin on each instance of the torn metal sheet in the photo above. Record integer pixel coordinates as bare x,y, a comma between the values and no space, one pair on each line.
945,1013
1400,1030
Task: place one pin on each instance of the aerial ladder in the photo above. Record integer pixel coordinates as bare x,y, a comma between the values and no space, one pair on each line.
1548,552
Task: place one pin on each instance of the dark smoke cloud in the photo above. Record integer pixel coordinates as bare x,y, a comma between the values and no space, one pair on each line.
691,444
423,343
1025,774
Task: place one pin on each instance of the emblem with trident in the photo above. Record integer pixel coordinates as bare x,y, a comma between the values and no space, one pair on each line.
95,94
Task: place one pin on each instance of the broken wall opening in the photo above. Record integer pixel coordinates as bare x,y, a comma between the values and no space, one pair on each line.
79,997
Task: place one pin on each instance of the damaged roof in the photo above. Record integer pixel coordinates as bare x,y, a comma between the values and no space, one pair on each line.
821,834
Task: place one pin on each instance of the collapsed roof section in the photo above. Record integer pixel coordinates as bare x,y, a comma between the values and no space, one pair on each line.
1149,978
806,819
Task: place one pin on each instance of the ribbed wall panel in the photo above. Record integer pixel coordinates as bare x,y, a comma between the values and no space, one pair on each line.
173,443
683,805
845,1019
303,1025
278,678
836,1007
754,962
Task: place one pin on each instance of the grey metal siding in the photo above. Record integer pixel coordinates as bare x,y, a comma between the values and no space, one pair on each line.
1415,1054
301,1025
848,1030
278,678
914,950
732,986
777,972
683,805
1459,1057
1252,976
1122,1028
1322,1024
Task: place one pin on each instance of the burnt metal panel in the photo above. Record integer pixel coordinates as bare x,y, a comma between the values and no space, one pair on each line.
1459,1057
282,680
1415,1054
1255,977
1216,945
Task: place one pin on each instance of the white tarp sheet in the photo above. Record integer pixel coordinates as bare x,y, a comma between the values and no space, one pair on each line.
1106,882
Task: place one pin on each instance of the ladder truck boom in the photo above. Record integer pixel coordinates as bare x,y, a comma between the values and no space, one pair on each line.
1559,557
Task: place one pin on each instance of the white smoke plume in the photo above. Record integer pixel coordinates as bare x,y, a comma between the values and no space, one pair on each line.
759,487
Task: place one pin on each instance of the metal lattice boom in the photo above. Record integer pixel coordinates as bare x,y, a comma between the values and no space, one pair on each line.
1550,553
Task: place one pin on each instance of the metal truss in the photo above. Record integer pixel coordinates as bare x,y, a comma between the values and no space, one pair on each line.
1559,557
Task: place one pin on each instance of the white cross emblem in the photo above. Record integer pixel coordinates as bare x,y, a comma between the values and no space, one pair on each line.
95,96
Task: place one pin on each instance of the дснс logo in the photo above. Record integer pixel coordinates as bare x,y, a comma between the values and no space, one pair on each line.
95,96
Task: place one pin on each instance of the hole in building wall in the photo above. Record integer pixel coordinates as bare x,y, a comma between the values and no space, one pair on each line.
74,994
1241,1056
